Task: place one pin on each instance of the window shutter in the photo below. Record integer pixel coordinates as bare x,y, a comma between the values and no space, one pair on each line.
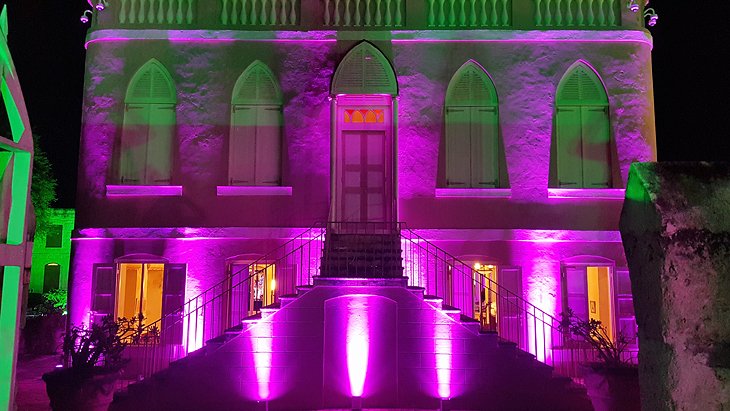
242,146
568,140
596,148
159,144
575,286
625,308
484,132
103,287
510,321
268,146
151,84
133,146
173,298
458,136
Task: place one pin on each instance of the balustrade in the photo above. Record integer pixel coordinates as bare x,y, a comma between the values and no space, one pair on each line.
363,13
259,12
162,12
577,13
469,13
367,14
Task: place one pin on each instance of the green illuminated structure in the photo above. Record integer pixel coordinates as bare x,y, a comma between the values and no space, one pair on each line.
52,252
16,152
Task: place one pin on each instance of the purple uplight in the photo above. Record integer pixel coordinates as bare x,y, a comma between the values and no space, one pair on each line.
357,343
262,353
444,361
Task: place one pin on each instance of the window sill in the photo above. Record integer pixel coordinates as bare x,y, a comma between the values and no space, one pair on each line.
234,191
143,191
600,193
474,192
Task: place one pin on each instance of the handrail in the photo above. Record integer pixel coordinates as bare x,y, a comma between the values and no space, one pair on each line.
226,303
497,308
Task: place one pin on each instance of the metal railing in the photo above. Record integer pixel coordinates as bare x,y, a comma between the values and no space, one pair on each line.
497,308
227,303
369,250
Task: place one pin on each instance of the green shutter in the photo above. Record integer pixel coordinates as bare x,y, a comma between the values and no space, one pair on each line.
159,143
596,147
268,146
458,156
242,147
484,146
133,145
569,150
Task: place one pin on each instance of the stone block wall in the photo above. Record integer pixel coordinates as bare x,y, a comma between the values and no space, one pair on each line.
675,227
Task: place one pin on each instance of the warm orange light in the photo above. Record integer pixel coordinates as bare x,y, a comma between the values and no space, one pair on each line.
273,284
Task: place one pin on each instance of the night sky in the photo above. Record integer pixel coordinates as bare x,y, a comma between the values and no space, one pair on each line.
691,80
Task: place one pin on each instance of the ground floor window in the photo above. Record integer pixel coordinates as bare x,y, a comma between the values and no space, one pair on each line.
496,293
254,285
589,293
140,290
51,277
154,289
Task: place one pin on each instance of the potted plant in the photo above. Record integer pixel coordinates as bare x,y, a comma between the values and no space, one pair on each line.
612,381
44,324
94,357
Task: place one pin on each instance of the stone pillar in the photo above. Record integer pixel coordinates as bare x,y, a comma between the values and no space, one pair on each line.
675,227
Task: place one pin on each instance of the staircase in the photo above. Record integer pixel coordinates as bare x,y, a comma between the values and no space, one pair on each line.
425,350
293,356
362,256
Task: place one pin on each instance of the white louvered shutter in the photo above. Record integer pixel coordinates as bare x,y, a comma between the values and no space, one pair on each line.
159,143
242,146
568,139
458,150
508,307
596,147
268,146
484,132
133,145
576,289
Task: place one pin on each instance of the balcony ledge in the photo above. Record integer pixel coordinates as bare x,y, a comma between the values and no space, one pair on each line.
143,191
234,191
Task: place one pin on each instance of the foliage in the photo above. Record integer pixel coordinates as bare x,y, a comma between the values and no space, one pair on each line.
54,302
592,332
100,345
43,186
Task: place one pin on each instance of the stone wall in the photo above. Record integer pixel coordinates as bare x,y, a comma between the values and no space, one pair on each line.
676,231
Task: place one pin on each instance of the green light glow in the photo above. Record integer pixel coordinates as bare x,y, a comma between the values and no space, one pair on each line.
18,207
16,122
8,331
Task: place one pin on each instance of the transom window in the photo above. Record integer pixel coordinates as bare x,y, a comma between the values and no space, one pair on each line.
364,116
256,122
581,156
472,129
149,127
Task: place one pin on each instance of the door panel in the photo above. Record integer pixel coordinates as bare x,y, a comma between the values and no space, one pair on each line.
458,147
364,176
569,151
241,152
596,147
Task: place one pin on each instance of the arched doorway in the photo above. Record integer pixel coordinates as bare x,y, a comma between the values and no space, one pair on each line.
363,142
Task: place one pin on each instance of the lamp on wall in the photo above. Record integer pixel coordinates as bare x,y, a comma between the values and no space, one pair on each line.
633,6
85,17
652,16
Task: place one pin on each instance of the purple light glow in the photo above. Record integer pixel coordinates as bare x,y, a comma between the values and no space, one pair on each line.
443,351
357,343
261,342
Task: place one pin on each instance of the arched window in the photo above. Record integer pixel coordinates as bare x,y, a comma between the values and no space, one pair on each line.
364,70
254,153
472,129
581,156
149,126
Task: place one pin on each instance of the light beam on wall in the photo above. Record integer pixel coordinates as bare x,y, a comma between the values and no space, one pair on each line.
443,350
261,343
357,342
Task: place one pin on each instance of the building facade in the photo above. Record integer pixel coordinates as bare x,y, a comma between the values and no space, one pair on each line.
500,132
52,252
